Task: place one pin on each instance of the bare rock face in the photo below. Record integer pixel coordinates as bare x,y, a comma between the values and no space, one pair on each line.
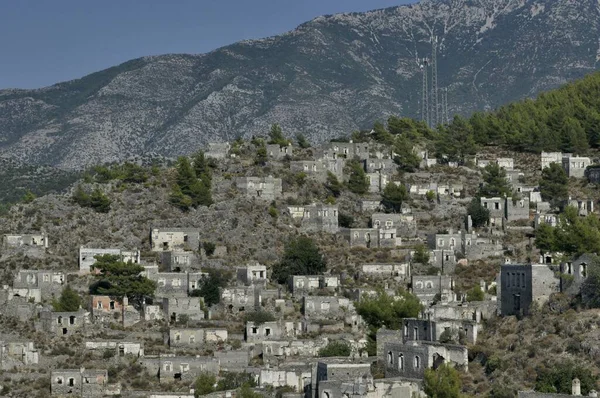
328,77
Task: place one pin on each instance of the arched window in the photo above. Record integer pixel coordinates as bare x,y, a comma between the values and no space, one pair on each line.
400,362
417,362
390,358
429,285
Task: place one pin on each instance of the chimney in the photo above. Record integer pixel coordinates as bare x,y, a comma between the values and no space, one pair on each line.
576,387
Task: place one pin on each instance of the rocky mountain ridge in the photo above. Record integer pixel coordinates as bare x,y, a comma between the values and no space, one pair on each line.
328,77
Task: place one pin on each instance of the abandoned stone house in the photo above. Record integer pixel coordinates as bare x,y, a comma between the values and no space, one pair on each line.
180,261
186,368
87,256
592,173
540,218
450,240
319,168
514,178
410,359
195,337
575,165
505,163
476,311
120,348
427,287
445,260
336,369
63,323
296,375
169,239
361,237
233,360
278,152
326,307
300,285
79,382
378,180
48,282
517,209
405,225
32,240
217,150
191,307
269,330
170,284
448,189
316,217
584,207
266,188
520,286
108,310
386,271
238,299
292,348
414,329
17,354
252,273
496,207
343,150
574,273
367,205
548,158
374,165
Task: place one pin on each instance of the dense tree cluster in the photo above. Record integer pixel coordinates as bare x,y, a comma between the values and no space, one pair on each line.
554,185
97,200
388,311
301,257
337,348
68,301
118,279
495,183
567,119
574,235
192,187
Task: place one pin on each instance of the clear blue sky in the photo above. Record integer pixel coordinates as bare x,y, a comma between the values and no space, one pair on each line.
49,41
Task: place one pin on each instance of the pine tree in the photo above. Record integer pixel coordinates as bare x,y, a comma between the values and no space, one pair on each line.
358,182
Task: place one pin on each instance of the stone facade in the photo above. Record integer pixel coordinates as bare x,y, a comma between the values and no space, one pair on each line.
120,348
192,307
79,382
303,284
252,273
574,273
180,261
49,282
18,354
361,237
522,285
87,256
427,287
410,359
575,165
386,271
217,150
195,337
278,152
403,225
170,368
316,217
265,188
325,307
169,239
63,323
32,240
319,168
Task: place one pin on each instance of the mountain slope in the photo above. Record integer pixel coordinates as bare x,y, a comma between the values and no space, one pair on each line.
328,77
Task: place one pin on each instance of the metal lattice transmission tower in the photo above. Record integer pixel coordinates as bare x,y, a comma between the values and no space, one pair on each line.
435,114
425,111
445,115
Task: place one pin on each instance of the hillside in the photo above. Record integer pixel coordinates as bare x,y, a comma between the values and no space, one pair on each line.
329,76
